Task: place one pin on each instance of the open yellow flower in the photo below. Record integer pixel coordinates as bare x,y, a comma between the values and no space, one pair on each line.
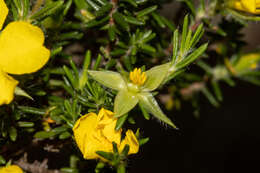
97,132
11,169
247,63
21,52
250,6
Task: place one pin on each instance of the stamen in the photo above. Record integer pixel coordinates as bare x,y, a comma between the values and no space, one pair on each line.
137,76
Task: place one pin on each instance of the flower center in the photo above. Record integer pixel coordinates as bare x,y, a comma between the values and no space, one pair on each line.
137,77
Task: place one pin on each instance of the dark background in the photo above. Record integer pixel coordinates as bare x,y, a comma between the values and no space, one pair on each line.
225,139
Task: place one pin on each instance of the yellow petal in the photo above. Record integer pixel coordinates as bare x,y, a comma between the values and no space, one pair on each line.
91,138
96,133
249,5
97,142
21,48
83,130
104,117
11,169
3,13
7,87
131,140
107,124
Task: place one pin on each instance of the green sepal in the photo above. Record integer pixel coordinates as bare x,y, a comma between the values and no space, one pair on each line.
20,92
124,102
125,150
149,103
106,155
109,79
155,76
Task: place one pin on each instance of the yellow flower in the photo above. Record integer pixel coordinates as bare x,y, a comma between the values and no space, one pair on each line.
247,62
21,52
138,77
11,169
97,132
250,6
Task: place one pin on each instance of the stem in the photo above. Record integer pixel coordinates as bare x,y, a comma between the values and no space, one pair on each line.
37,6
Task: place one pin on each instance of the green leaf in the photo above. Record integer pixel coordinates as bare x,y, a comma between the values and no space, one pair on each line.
2,160
217,90
47,10
12,133
133,20
210,97
184,33
148,102
104,10
112,33
83,79
196,37
64,135
155,76
93,5
175,42
187,41
124,102
252,80
69,170
158,19
146,11
192,57
18,91
99,166
243,16
97,63
109,79
132,2
145,113
25,124
44,134
120,122
32,110
120,20
72,78
59,129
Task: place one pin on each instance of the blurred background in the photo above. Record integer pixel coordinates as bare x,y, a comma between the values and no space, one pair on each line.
224,139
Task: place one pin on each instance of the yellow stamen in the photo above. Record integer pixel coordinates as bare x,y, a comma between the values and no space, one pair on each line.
137,76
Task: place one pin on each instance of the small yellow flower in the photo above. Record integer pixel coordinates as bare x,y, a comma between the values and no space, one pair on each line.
247,62
131,140
250,6
138,77
21,52
11,169
97,132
